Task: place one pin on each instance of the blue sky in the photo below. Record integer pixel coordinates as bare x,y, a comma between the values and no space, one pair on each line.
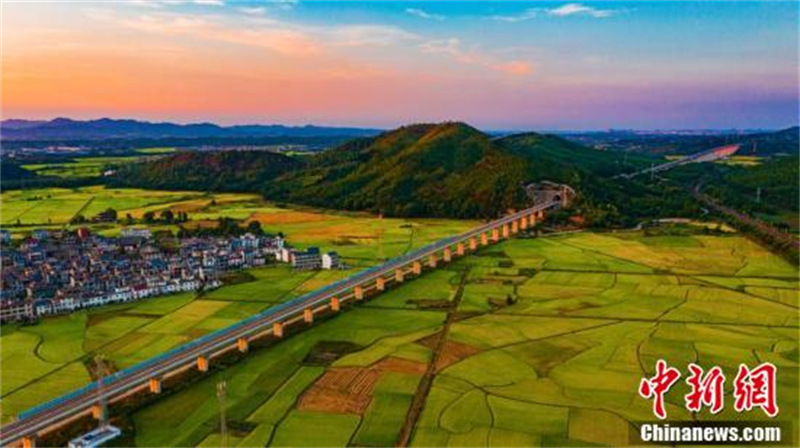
500,65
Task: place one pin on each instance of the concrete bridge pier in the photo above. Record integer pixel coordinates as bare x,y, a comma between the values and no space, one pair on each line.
460,249
539,214
97,412
514,226
532,219
399,275
29,442
335,306
155,385
484,239
380,284
416,268
432,261
242,345
495,234
202,363
506,231
523,222
447,255
473,244
358,292
308,316
277,330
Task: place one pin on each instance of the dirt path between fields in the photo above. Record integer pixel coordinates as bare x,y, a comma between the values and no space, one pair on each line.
437,359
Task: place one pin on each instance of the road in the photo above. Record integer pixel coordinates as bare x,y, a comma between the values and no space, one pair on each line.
81,401
708,155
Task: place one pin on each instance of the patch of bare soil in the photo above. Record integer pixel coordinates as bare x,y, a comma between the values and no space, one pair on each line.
399,365
453,352
431,341
348,390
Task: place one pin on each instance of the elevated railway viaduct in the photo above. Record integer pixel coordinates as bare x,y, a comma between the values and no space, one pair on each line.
148,375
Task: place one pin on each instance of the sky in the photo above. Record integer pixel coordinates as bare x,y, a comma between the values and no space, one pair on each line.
496,65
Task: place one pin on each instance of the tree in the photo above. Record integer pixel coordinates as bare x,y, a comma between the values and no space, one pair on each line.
149,217
129,219
167,216
108,215
254,227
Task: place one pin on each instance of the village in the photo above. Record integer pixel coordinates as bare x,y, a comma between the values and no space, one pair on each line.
55,272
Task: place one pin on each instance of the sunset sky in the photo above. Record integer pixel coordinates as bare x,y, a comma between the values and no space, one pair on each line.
554,65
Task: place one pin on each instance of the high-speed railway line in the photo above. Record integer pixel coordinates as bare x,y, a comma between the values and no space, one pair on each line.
708,155
198,353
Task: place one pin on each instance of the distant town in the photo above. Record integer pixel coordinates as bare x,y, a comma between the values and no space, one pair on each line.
52,272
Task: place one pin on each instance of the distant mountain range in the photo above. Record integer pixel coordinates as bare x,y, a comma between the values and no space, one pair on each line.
107,128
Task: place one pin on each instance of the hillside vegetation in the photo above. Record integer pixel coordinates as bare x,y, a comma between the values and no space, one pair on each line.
777,179
425,170
236,171
419,170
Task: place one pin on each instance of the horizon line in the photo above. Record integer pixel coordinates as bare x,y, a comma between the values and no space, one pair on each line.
356,126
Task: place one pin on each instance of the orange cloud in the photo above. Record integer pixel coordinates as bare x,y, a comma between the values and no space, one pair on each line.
520,68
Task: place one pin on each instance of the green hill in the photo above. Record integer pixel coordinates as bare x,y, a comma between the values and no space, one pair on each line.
562,159
425,170
237,171
449,169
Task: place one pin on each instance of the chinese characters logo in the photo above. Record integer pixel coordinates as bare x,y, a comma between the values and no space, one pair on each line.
752,388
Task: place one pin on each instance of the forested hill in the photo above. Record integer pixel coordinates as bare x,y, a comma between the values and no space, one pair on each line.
421,170
238,171
435,170
563,160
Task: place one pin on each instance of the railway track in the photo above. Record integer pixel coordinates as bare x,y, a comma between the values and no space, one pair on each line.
79,402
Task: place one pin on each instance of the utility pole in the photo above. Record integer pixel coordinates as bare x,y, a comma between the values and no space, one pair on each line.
758,195
222,395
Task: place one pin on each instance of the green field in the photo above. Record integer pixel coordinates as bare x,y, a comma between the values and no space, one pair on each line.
22,210
84,167
550,339
53,352
79,167
361,239
560,366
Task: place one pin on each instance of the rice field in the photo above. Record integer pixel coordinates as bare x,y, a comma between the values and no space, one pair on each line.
561,365
558,366
82,167
55,207
550,339
79,166
361,239
127,334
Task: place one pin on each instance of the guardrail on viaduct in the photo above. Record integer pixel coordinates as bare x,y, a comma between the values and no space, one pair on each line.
148,375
